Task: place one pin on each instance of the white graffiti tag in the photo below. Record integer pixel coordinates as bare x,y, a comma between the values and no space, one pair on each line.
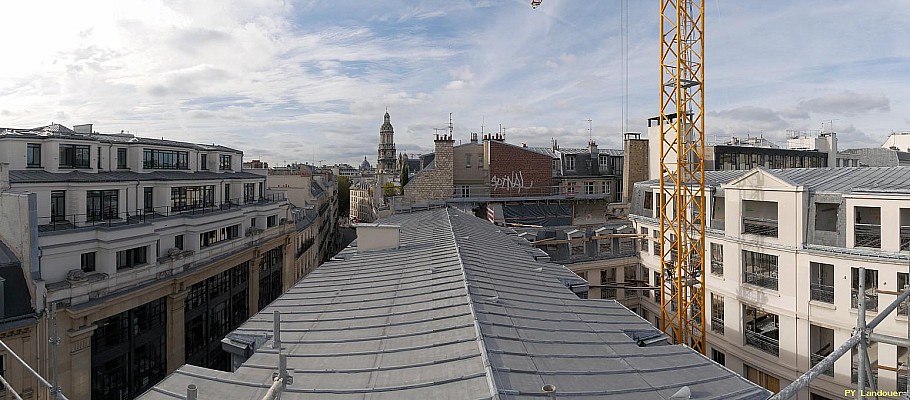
516,181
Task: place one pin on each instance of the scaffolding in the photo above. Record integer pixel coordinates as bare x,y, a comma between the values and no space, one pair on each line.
863,334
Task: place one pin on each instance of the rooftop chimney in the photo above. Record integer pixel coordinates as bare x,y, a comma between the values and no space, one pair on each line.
377,236
84,128
473,137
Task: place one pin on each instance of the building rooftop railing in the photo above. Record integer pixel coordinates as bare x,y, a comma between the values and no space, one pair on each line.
109,218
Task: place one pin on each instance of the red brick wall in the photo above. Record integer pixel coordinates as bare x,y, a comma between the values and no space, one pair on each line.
515,171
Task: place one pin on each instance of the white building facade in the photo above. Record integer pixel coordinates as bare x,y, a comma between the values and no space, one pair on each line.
782,255
150,248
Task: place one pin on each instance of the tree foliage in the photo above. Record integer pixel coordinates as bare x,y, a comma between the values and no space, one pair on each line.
404,175
389,189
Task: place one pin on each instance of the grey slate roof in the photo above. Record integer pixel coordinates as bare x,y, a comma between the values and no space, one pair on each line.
60,131
41,176
460,311
827,180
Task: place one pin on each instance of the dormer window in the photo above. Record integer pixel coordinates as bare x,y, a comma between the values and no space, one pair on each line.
570,163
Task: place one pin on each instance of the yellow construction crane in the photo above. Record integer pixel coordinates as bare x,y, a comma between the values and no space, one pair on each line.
682,170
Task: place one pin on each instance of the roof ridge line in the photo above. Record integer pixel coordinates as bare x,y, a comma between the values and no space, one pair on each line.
487,365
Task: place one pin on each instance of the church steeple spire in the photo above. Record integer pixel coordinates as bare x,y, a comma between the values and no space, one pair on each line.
387,160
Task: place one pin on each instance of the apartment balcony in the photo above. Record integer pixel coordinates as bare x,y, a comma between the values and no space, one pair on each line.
760,226
113,219
817,358
868,235
765,280
905,237
854,373
717,268
902,308
764,343
871,299
717,325
822,292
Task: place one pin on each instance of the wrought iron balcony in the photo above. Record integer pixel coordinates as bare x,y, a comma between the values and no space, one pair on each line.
868,235
822,292
854,373
766,280
764,343
905,238
717,325
871,299
760,226
717,268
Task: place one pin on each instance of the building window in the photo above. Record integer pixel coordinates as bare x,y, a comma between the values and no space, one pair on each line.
212,237
465,191
271,221
570,187
901,286
589,187
606,187
644,240
821,343
58,205
717,314
88,262
467,160
760,269
868,227
718,357
178,242
570,163
249,192
101,205
132,257
147,199
33,155
192,197
608,276
121,158
164,159
129,352
761,329
717,259
656,248
760,218
225,163
821,285
204,162
270,286
75,156
761,378
649,201
99,157
871,289
826,217
603,159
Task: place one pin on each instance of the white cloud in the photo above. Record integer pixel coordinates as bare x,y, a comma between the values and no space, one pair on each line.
280,79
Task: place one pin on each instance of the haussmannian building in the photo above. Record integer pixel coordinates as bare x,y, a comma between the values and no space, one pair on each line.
152,250
782,255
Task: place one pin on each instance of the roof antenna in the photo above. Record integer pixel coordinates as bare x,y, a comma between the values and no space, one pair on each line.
590,128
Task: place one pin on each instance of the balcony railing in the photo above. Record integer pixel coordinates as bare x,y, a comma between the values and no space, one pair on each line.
902,308
868,235
905,238
764,343
109,219
717,325
717,268
902,380
871,299
760,226
817,358
822,292
766,280
854,373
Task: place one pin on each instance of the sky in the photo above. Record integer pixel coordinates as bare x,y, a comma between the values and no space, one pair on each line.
309,81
